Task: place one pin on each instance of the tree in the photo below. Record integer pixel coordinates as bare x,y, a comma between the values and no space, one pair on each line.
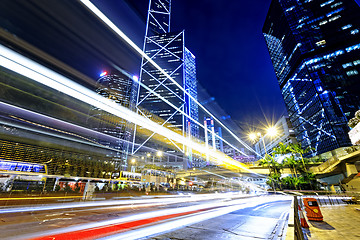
292,164
274,168
282,149
297,149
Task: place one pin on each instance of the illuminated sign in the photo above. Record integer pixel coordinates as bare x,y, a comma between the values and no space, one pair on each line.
21,167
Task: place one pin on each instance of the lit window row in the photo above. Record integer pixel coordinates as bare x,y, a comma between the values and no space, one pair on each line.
334,12
352,72
354,47
328,56
334,18
350,64
326,3
357,62
336,4
346,27
346,65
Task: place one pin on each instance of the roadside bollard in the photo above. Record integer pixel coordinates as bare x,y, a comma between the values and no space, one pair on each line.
303,221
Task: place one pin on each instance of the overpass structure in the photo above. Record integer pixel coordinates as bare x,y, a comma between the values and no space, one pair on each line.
338,169
221,173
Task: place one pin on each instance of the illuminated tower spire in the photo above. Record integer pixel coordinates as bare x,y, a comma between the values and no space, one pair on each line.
158,19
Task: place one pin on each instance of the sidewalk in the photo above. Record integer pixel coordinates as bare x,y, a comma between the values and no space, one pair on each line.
340,222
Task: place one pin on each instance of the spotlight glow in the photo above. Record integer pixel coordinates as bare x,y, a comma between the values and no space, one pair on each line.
135,78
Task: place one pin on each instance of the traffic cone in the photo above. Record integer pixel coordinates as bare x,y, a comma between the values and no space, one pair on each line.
303,221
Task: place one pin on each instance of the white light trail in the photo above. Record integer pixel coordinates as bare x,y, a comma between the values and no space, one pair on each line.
29,68
237,199
176,224
134,202
123,36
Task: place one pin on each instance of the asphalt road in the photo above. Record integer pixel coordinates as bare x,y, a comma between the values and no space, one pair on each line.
263,221
205,216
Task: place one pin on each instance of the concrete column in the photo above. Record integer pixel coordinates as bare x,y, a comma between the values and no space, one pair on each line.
351,170
332,189
56,183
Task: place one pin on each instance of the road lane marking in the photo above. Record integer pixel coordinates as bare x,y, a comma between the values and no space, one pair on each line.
261,206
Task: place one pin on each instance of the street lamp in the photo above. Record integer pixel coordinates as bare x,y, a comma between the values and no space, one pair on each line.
270,131
133,167
159,153
252,136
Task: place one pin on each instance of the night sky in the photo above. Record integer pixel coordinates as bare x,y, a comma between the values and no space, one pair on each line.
233,63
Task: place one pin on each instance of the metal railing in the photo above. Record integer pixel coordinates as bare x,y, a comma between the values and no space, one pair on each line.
298,233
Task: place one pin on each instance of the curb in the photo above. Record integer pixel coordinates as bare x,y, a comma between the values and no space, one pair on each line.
290,224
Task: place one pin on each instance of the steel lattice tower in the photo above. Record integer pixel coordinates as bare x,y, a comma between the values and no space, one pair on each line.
169,103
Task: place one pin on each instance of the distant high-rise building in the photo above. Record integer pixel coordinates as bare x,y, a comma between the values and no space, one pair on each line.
315,50
213,135
122,90
169,103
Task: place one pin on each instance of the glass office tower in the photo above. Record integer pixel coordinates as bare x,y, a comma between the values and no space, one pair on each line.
159,98
315,50
122,90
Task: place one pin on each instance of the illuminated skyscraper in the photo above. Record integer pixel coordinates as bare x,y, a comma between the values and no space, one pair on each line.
122,90
315,47
169,102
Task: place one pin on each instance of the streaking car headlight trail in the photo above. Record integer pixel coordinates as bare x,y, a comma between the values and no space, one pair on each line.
28,68
182,215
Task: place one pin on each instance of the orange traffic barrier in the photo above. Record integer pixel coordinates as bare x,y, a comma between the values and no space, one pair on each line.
303,221
312,209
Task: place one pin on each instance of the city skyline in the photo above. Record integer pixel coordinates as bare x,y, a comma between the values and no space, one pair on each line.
240,62
208,26
82,80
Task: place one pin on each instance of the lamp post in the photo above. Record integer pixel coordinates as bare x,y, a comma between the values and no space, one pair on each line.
159,154
270,131
133,167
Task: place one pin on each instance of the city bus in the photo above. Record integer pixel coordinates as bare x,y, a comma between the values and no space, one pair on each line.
16,175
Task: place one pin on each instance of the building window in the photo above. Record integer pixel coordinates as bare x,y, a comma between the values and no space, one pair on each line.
355,31
346,65
346,27
357,62
352,73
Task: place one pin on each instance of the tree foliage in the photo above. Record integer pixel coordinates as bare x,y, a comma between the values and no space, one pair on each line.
294,159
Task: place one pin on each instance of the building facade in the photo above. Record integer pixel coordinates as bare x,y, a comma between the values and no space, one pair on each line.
160,98
122,90
314,47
